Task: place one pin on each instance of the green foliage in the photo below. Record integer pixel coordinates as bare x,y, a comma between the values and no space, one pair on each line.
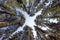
53,9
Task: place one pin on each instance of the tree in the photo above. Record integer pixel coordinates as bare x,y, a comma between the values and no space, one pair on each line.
30,19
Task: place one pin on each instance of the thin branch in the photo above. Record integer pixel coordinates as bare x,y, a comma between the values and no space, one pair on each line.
39,4
50,17
6,7
6,12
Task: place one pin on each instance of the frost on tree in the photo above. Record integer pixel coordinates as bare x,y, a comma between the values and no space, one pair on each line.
29,19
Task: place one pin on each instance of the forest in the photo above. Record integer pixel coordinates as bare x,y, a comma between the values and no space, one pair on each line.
29,19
